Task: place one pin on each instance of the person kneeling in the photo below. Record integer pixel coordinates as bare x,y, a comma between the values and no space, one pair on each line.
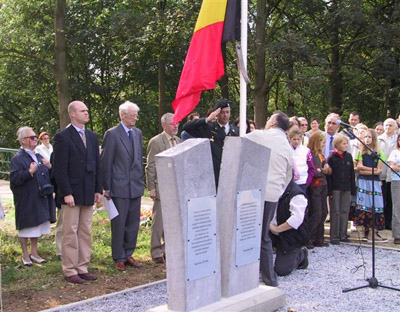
289,232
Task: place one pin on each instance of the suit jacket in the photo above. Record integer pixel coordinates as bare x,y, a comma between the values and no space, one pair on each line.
200,128
77,169
122,165
157,144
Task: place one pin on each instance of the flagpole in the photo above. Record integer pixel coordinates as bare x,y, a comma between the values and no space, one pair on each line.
243,85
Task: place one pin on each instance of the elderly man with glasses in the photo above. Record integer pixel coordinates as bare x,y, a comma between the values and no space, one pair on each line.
122,169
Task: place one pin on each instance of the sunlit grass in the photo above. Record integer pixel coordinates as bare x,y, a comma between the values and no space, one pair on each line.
17,277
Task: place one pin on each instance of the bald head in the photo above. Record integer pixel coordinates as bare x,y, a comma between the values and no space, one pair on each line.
78,113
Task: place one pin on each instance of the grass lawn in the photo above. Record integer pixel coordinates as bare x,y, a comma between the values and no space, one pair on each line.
17,277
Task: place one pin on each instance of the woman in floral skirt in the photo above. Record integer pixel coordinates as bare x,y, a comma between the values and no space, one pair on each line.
365,201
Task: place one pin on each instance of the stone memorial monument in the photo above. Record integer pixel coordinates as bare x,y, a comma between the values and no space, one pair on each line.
188,203
244,168
214,240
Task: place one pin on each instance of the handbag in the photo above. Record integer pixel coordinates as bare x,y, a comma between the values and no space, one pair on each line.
46,190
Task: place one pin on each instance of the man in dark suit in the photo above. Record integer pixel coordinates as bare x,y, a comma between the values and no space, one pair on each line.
158,144
215,127
77,173
121,160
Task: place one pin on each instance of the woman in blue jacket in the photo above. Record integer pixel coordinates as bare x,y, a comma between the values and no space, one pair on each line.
34,209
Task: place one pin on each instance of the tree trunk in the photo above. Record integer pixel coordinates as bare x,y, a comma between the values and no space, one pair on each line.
335,75
61,72
161,89
290,86
260,96
391,99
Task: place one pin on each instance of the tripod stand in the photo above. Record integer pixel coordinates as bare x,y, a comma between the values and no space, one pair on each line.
372,281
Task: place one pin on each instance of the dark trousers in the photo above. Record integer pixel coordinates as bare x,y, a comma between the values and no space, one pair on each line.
317,212
387,201
339,214
285,263
125,227
266,258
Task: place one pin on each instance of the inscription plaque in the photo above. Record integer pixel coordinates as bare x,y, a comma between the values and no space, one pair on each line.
248,227
202,237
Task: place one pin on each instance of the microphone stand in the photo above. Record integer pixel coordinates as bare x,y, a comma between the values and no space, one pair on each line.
372,281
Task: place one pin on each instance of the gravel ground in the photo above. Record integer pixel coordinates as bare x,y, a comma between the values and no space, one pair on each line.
319,288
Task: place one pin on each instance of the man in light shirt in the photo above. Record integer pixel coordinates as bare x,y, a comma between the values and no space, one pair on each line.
331,128
289,231
279,176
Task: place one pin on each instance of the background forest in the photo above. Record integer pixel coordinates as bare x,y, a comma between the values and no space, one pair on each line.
305,57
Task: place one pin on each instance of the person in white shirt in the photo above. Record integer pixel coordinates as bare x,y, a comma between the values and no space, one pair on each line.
394,160
45,148
278,177
387,143
331,129
289,231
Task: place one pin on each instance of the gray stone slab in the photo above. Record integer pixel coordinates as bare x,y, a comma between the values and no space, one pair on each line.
186,172
261,299
244,167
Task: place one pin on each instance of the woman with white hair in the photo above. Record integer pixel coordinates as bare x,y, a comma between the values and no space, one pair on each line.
387,143
33,195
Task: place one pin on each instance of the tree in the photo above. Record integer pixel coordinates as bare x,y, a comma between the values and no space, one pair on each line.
61,73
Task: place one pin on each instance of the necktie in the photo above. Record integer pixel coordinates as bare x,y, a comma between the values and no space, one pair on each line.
331,144
223,130
83,137
130,135
173,143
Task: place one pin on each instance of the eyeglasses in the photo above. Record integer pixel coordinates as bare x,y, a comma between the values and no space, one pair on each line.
45,138
304,125
32,137
132,116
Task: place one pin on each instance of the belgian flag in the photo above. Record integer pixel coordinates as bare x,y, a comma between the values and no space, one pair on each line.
204,64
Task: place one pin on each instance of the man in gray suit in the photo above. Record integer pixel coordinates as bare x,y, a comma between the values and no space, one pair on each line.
158,144
121,159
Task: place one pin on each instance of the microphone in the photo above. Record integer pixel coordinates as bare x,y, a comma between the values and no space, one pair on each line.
343,124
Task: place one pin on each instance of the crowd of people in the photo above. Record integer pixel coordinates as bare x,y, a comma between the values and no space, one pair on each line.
312,174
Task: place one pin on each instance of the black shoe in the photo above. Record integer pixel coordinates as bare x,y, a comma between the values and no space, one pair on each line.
324,244
304,264
335,242
345,240
310,246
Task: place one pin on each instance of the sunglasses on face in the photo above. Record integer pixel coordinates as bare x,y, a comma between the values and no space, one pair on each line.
32,137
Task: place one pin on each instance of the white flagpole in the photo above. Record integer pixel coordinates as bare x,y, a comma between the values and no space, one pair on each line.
243,85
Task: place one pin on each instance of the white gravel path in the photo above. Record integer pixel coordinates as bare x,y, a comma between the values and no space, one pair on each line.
319,288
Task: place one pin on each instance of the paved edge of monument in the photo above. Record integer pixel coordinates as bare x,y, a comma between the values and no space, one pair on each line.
261,299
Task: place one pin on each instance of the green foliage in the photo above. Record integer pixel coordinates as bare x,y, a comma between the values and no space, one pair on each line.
114,47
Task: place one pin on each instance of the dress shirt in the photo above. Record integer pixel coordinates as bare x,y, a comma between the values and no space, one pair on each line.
328,149
226,127
126,129
297,207
33,155
171,144
280,161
